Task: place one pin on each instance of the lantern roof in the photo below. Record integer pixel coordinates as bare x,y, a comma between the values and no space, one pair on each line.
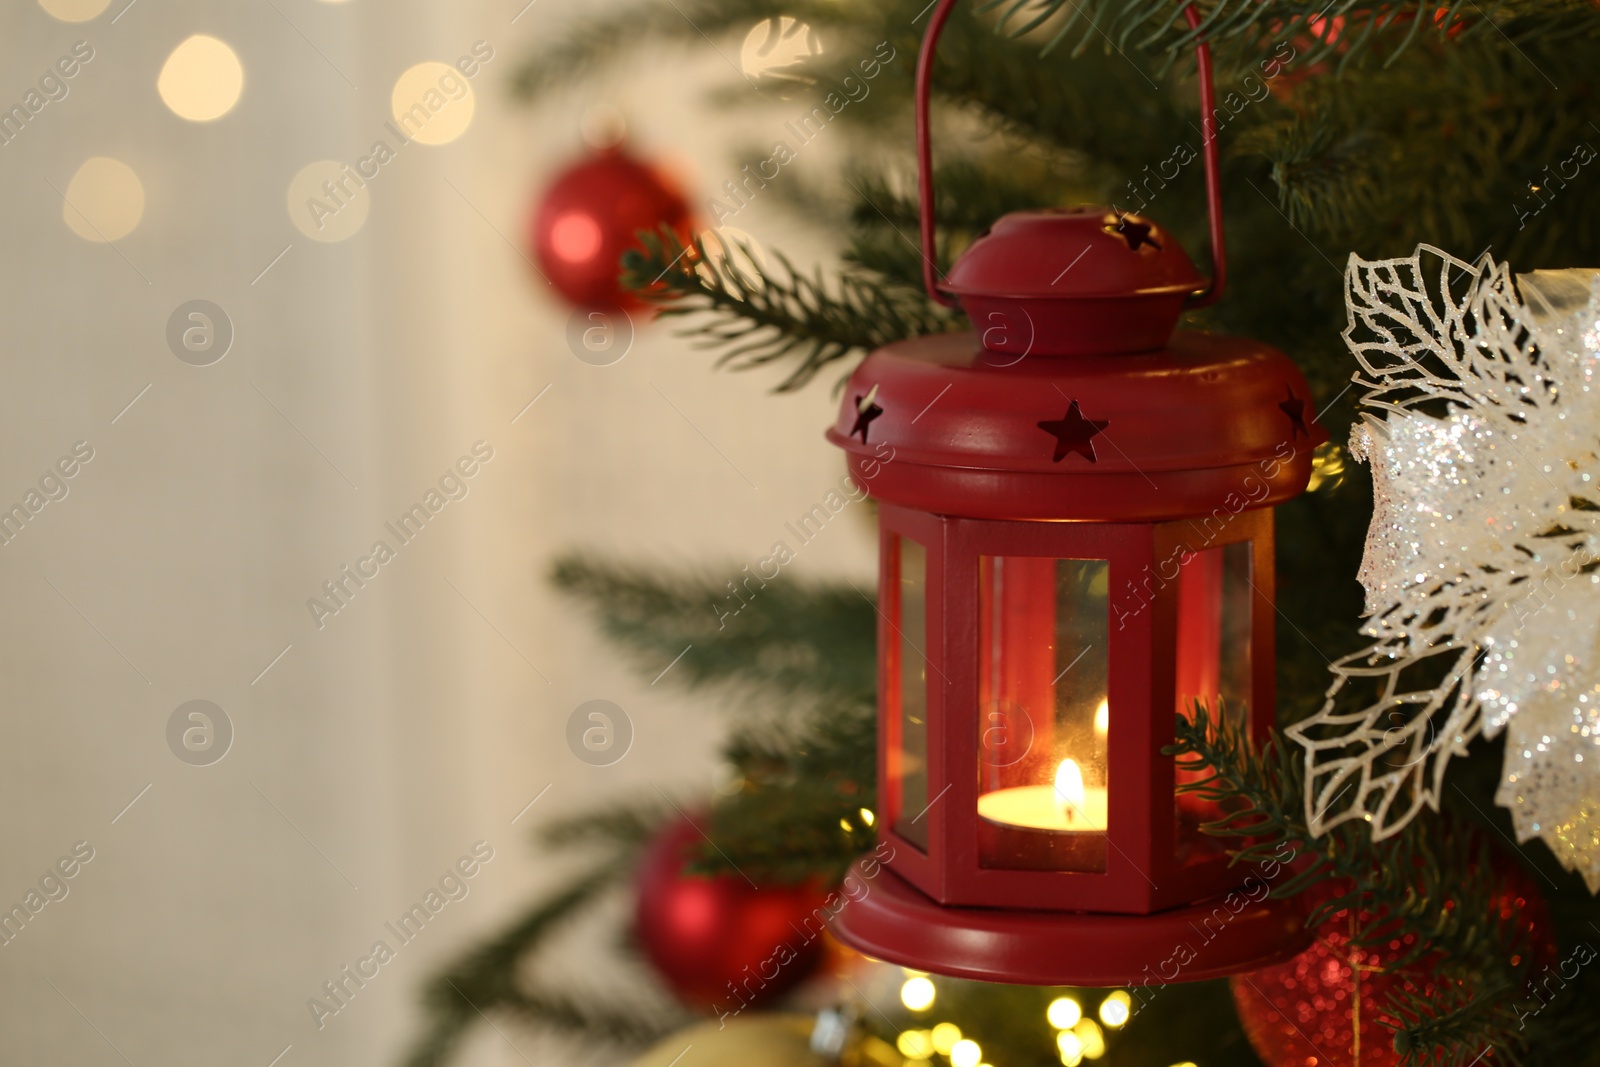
945,425
1074,253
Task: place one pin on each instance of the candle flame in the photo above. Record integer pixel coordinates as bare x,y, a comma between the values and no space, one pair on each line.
1102,717
1069,788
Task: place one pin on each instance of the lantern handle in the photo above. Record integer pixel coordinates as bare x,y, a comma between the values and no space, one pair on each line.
1208,123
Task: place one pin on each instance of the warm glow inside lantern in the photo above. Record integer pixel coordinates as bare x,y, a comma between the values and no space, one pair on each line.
1030,674
1075,512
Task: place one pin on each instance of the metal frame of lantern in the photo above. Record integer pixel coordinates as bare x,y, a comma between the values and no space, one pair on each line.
1035,831
1142,866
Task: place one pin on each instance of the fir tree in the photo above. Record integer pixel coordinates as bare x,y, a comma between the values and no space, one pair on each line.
1345,127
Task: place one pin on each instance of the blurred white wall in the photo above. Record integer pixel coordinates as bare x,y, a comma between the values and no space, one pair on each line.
370,754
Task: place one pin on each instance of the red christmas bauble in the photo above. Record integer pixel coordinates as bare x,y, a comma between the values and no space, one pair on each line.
721,943
1328,1006
591,215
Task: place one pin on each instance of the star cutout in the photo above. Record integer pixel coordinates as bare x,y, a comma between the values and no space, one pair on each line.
1137,234
1295,408
866,411
1073,432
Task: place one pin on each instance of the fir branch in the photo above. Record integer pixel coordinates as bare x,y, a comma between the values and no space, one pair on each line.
1442,148
884,211
762,317
624,827
797,812
1450,1027
595,1014
1344,30
969,195
785,637
483,980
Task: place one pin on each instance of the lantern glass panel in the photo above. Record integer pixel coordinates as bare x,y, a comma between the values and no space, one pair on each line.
1214,634
909,622
1044,629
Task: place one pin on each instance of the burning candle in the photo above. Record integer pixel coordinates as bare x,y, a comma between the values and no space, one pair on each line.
1065,806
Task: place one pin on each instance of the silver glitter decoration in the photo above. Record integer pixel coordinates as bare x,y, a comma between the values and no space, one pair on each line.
1482,563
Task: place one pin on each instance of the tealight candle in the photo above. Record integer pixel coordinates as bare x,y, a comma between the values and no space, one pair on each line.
1067,806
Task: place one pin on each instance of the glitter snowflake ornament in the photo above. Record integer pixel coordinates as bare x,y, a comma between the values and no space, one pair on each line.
1482,564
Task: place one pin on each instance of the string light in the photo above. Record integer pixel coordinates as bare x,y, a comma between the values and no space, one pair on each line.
1071,1048
1093,1038
1115,1009
945,1037
1063,1013
844,824
965,1053
917,993
914,1044
867,816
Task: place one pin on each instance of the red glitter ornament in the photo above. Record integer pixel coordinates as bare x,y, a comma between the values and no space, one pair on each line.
721,943
591,215
1327,1007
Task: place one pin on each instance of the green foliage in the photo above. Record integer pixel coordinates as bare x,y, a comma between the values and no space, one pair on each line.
762,317
796,812
798,658
487,979
788,636
1344,30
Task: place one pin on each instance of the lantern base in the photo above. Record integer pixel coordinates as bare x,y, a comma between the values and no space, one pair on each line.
897,922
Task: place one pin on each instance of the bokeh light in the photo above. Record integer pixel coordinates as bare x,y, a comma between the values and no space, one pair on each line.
965,1053
945,1036
779,48
914,1044
1063,1013
1116,1008
328,201
432,103
201,80
917,993
104,200
1070,1045
74,10
1093,1038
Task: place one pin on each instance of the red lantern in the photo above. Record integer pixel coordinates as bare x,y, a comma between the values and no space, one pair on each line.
1076,521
